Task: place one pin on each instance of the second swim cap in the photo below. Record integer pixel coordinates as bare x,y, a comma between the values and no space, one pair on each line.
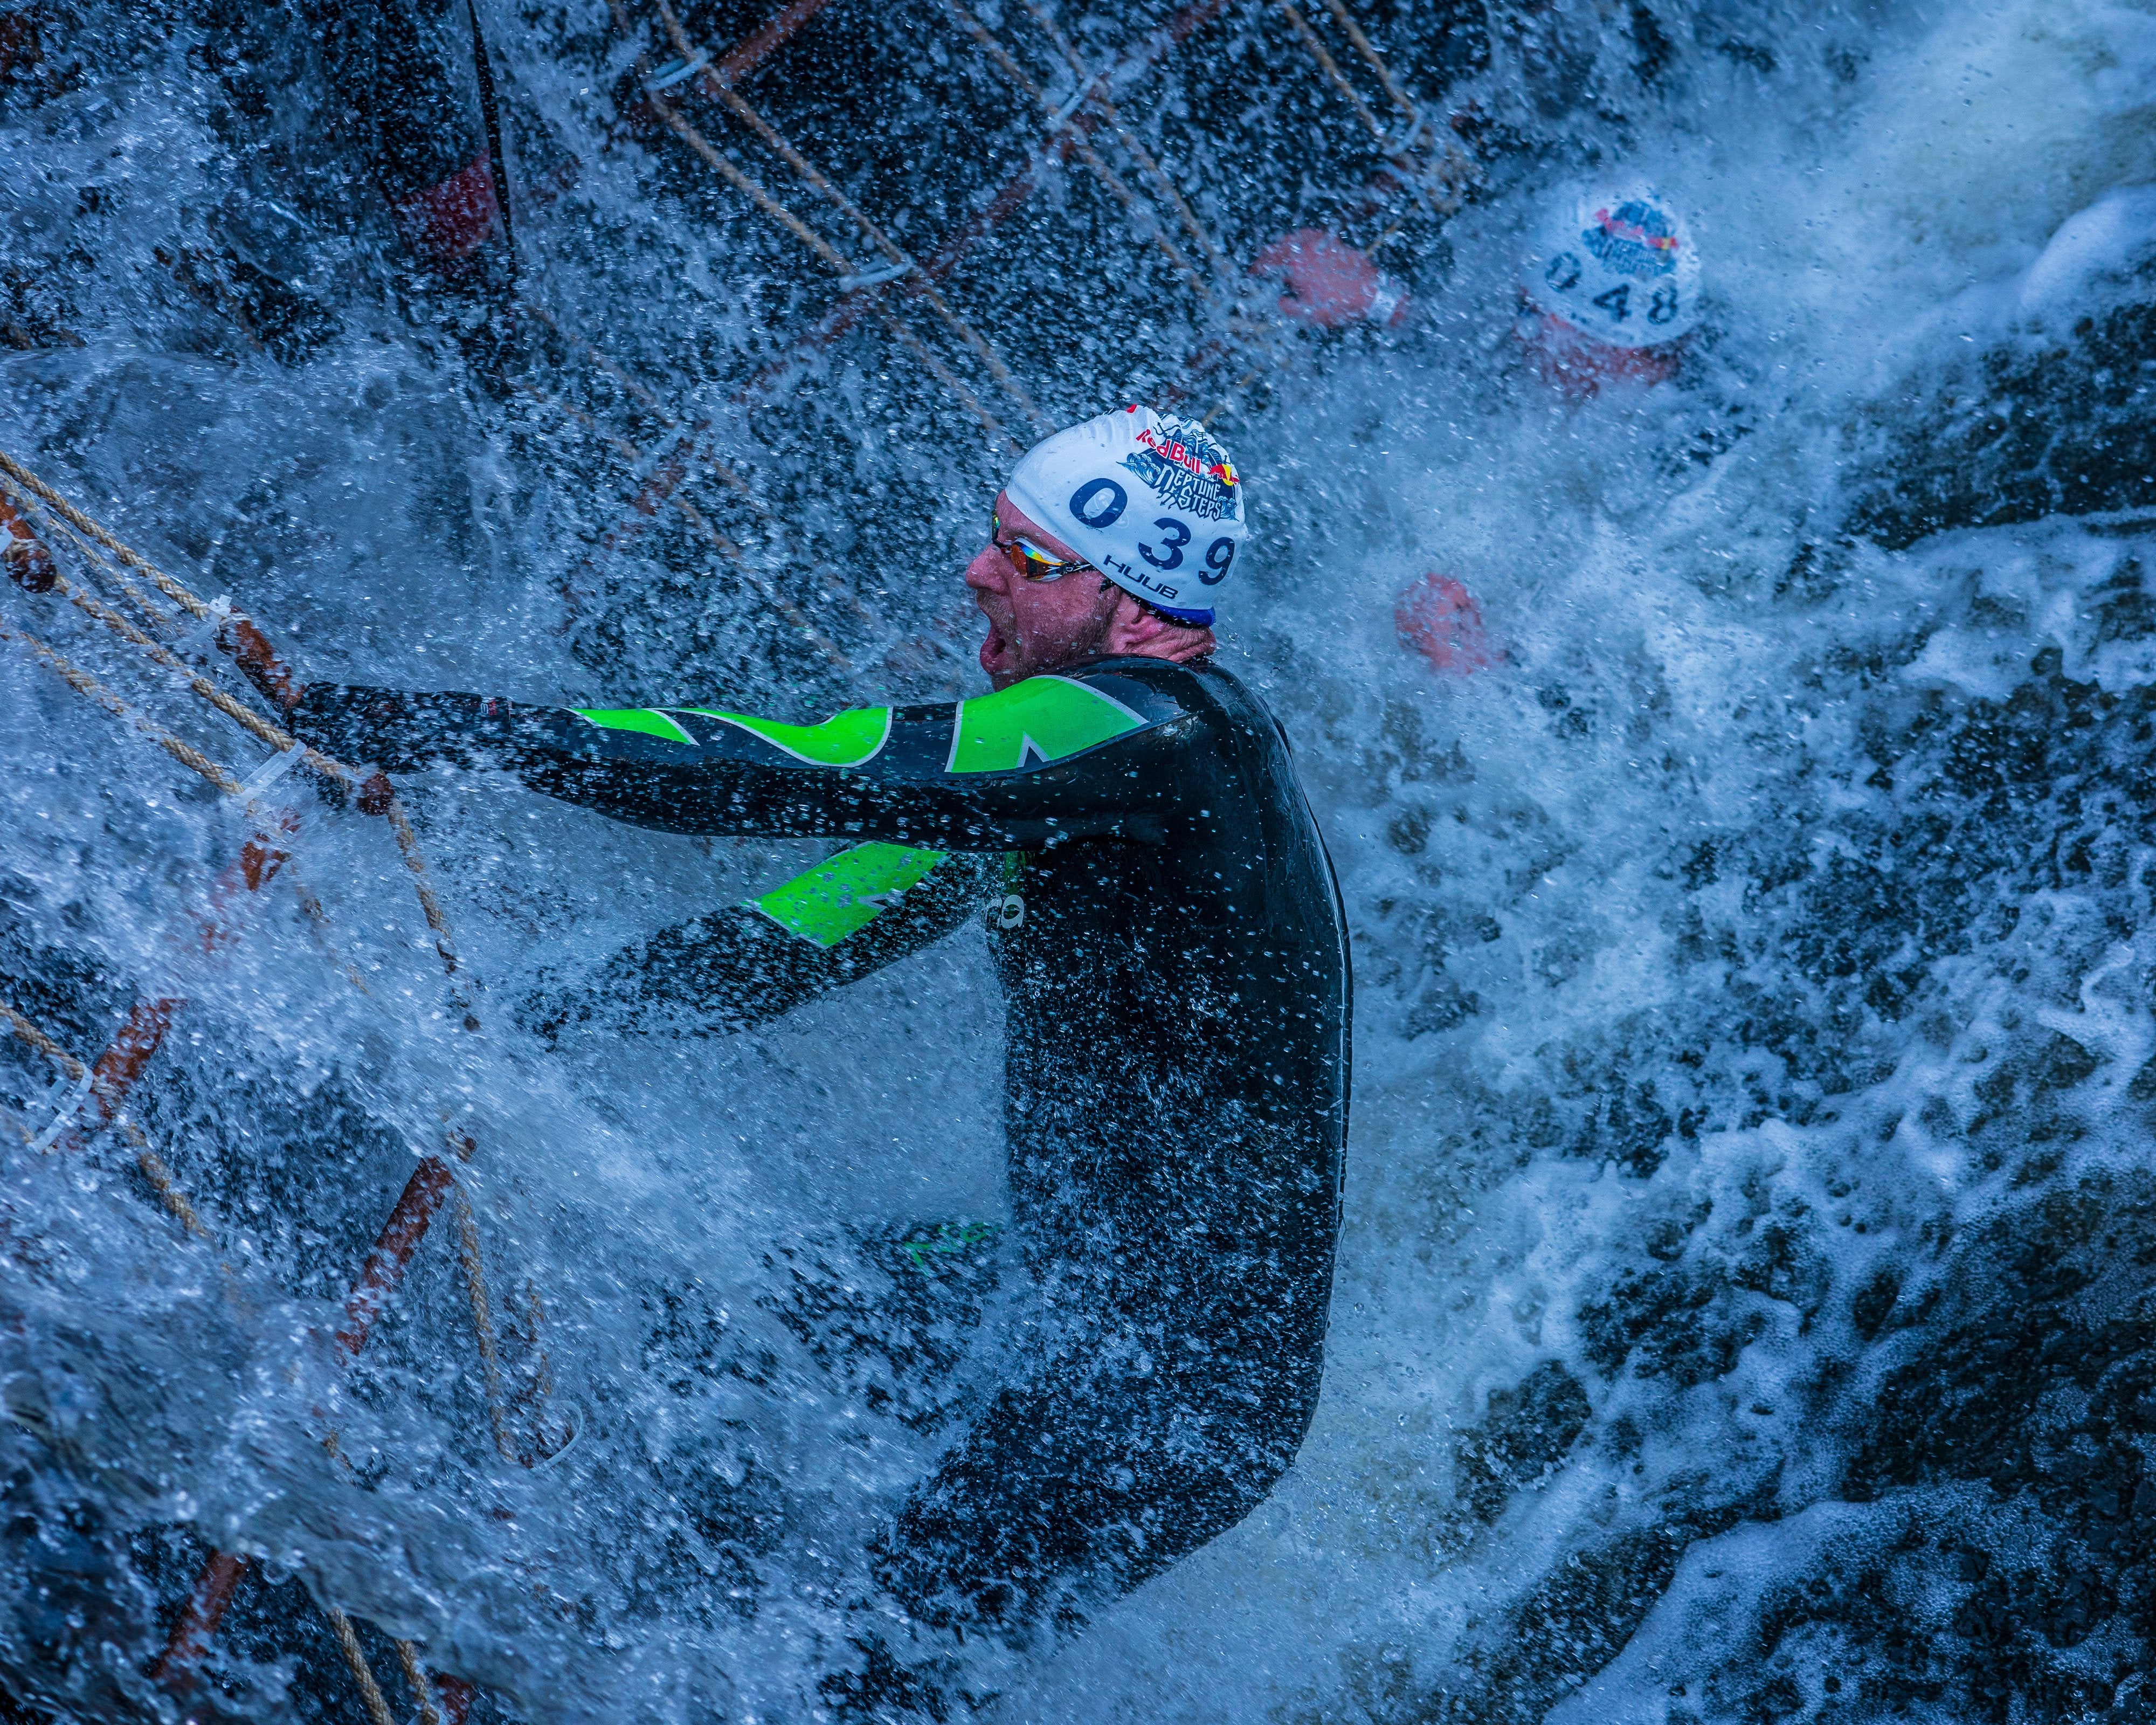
1618,265
1150,500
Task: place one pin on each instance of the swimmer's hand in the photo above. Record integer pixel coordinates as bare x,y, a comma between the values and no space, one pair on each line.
390,728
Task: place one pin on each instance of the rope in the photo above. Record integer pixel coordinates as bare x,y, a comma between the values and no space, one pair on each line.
152,1164
726,547
83,683
416,1675
1096,93
275,735
82,523
250,791
874,235
542,1377
370,1691
1220,406
1330,68
765,590
749,188
1451,169
238,712
751,577
1061,122
600,358
140,600
1371,56
482,1312
824,250
376,797
989,213
161,1180
711,464
949,379
43,1043
222,776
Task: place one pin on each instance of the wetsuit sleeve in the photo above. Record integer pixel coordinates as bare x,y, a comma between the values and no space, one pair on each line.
733,969
1088,755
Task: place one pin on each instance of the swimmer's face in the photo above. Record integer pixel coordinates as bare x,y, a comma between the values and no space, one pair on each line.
1036,626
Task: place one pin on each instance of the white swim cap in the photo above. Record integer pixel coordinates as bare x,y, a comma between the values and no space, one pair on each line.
1151,502
1618,265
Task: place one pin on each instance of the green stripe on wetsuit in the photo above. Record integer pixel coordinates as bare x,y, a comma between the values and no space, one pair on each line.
644,720
842,895
1039,720
1042,719
1035,722
846,739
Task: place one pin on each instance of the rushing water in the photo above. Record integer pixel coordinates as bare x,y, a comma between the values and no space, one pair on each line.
1743,1303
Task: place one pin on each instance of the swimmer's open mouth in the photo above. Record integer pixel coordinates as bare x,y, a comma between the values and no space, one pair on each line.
996,645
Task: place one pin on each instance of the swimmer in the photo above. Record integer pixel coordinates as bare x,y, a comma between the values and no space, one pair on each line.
1611,287
1123,815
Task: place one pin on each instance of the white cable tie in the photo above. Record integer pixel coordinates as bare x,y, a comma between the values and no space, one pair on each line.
680,74
64,1116
1386,301
876,278
269,772
203,635
1064,114
1401,138
54,1092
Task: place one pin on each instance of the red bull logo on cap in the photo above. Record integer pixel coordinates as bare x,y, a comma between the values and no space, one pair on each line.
1635,238
1183,455
1618,264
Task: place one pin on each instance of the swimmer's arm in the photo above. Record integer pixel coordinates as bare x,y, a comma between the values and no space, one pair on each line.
733,969
1077,757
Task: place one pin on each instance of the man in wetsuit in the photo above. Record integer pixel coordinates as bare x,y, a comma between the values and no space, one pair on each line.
1172,955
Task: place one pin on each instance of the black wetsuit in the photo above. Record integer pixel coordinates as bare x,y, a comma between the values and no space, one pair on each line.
1174,963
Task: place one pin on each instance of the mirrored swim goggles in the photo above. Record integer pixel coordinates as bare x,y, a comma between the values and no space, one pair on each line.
1029,559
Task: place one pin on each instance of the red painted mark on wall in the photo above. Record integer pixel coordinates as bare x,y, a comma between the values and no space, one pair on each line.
393,1247
199,1619
454,219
